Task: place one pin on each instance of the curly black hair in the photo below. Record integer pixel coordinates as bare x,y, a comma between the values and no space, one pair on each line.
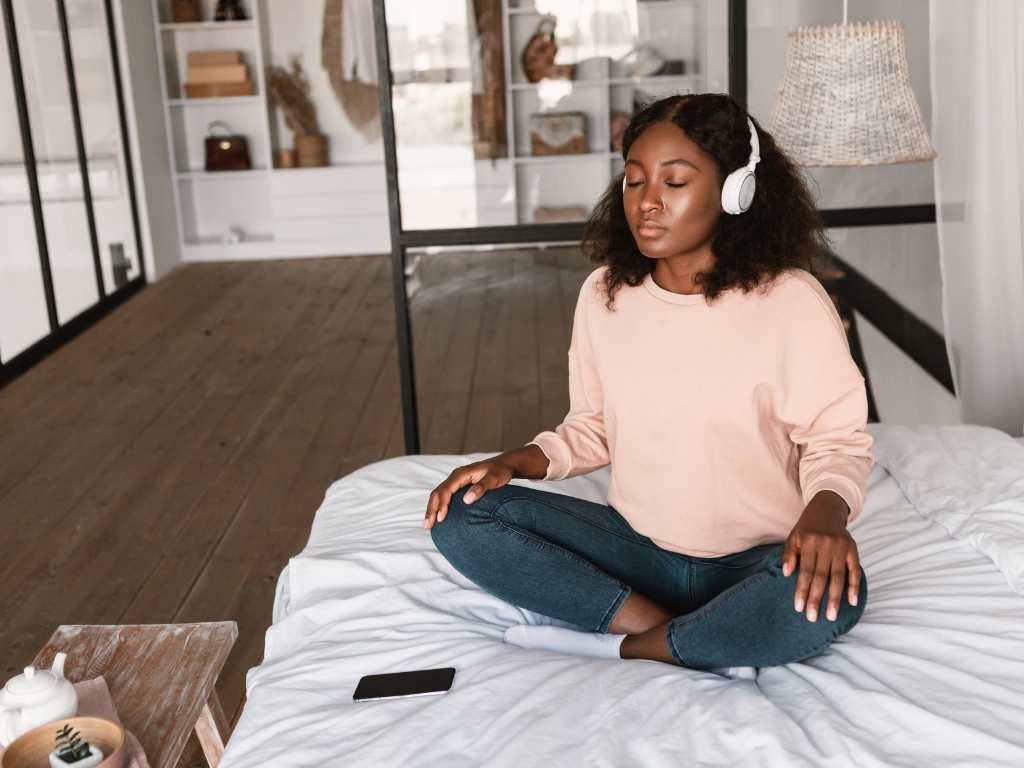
781,230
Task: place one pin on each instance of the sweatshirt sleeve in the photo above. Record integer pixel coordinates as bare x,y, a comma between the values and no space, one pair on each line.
824,401
579,444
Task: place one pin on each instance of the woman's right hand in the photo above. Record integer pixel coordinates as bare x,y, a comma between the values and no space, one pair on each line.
481,476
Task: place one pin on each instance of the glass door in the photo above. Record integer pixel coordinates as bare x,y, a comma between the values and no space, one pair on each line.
67,200
109,177
502,124
50,108
23,309
509,113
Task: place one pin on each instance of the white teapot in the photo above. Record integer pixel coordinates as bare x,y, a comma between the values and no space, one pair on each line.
36,697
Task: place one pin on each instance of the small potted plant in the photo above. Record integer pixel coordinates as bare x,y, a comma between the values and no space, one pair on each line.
72,750
289,90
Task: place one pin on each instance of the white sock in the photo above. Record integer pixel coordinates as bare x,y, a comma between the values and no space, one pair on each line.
736,673
564,640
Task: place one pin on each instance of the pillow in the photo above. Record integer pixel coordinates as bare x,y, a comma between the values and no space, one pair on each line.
967,478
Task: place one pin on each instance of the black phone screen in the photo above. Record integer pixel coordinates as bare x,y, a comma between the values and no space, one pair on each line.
418,682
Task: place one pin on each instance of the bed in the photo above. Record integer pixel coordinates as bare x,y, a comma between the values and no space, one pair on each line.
933,674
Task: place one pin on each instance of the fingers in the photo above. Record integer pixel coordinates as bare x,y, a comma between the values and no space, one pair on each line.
482,482
433,504
853,568
822,562
440,497
437,505
808,557
475,492
824,565
789,553
835,587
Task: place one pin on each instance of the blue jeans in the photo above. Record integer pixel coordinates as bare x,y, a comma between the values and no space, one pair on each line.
578,561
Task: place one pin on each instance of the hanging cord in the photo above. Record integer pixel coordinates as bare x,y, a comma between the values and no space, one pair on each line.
844,10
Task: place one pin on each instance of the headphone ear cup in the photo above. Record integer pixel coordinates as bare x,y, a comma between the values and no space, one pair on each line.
738,191
747,187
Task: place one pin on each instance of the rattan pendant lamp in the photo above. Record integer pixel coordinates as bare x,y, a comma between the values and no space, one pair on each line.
846,97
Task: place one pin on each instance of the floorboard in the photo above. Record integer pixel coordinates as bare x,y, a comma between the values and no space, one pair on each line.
165,464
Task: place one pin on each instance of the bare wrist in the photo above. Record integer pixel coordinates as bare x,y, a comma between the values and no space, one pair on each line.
833,501
528,462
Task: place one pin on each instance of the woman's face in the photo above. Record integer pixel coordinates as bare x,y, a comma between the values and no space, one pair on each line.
672,197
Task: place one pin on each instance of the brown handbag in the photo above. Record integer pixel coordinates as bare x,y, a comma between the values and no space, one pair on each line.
225,151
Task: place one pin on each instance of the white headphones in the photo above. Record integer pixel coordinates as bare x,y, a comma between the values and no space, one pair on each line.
738,190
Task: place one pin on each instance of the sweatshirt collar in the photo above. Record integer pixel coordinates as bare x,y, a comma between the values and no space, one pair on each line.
670,296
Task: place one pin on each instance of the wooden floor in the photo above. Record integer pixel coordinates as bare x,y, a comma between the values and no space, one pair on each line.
164,465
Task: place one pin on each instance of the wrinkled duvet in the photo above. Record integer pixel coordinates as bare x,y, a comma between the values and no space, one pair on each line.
933,674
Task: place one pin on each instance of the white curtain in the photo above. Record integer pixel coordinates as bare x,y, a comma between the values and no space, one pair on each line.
977,80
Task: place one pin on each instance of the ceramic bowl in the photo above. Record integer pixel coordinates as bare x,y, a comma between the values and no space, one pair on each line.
32,749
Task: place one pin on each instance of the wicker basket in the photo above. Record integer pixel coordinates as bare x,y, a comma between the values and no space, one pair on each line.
311,150
846,98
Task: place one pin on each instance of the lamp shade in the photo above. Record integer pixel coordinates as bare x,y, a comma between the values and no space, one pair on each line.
846,98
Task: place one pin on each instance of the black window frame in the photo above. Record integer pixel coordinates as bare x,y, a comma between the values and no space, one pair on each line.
61,333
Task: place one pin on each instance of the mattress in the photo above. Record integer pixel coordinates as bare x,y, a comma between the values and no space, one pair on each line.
933,674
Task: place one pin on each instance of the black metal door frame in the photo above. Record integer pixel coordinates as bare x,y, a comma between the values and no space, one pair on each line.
60,333
918,340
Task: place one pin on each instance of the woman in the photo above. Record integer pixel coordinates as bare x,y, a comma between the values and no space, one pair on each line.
712,371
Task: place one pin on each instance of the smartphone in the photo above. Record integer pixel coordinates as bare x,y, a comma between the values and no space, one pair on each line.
417,682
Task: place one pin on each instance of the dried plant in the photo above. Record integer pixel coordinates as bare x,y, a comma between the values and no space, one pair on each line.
289,90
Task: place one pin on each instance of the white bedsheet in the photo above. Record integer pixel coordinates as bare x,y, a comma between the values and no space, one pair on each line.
933,674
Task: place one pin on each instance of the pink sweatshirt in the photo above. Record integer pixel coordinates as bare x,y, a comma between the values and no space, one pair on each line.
720,422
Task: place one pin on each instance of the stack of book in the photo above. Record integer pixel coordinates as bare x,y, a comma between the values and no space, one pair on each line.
217,73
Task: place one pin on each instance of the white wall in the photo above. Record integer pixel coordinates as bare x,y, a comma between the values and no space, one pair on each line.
295,27
154,181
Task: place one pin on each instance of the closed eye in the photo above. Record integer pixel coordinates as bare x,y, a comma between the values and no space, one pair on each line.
667,184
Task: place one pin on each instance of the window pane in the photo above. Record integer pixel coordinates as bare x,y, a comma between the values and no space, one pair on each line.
101,129
493,128
53,137
23,318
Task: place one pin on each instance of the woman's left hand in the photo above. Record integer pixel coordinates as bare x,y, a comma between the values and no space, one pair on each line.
824,547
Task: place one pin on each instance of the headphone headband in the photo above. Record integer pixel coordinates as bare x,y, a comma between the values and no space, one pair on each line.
755,146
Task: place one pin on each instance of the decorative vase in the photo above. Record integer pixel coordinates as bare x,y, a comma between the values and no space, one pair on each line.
311,150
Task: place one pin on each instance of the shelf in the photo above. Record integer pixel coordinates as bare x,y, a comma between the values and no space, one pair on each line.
532,10
204,25
219,175
645,79
604,81
564,158
248,239
548,82
332,167
214,101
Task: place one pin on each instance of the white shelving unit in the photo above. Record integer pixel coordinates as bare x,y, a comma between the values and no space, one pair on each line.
282,213
695,34
342,209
